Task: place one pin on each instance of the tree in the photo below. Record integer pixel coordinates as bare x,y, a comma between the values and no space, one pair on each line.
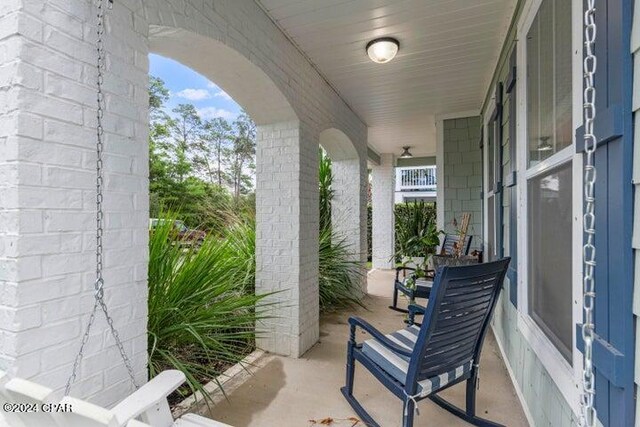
185,128
214,143
242,154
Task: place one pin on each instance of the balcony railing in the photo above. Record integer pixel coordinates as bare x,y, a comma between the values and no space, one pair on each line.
416,178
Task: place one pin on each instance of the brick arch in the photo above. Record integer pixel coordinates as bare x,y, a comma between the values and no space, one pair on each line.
338,145
243,80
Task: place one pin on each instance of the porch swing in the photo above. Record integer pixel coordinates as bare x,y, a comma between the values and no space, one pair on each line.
148,405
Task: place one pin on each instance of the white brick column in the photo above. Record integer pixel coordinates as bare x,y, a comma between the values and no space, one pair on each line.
349,205
383,220
287,236
47,195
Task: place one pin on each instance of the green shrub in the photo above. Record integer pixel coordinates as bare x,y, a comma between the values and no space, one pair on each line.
412,219
339,275
201,317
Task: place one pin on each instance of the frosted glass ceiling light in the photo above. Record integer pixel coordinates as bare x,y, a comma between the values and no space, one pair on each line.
383,50
406,154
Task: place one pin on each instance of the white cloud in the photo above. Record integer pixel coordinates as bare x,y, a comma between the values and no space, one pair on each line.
219,93
194,94
209,113
223,94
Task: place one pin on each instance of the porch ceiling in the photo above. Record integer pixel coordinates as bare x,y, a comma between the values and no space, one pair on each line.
448,49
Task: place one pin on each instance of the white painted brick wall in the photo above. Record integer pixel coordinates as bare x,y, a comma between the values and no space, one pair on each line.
349,206
382,213
47,120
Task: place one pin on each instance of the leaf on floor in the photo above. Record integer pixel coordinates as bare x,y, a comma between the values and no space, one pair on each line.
332,421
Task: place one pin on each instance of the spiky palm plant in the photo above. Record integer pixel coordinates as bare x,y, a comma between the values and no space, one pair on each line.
340,273
201,317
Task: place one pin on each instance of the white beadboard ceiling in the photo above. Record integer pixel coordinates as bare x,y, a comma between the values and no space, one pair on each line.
448,50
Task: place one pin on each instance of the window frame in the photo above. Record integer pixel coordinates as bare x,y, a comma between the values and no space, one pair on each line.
567,376
492,187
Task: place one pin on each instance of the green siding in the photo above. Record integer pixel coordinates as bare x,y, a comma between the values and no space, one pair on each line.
463,174
416,161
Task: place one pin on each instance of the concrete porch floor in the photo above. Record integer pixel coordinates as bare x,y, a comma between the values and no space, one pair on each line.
287,392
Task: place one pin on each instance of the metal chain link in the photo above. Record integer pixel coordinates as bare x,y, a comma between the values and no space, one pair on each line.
99,283
588,414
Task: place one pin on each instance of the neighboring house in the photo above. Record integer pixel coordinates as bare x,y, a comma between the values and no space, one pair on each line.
415,183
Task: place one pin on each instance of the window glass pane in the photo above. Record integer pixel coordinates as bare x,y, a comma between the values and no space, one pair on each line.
563,117
549,237
490,153
549,81
491,231
533,91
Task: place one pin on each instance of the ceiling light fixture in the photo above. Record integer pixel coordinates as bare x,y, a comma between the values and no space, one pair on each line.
406,153
383,50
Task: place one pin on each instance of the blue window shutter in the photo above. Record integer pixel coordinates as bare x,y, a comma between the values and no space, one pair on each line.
614,348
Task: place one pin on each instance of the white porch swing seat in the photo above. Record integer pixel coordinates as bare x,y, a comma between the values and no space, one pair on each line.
146,407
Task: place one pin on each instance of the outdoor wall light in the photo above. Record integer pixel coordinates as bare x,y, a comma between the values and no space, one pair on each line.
383,50
406,153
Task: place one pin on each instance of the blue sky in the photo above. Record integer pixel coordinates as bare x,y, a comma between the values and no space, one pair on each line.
188,87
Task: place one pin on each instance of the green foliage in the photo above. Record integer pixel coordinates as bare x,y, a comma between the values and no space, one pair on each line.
198,169
201,316
416,231
369,233
325,178
339,274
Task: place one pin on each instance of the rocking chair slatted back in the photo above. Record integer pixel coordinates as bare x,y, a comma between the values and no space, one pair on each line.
462,301
449,242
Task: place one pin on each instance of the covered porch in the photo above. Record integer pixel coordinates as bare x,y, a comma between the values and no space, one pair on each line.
295,392
486,95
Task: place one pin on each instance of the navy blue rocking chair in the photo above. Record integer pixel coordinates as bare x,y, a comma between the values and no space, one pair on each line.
416,363
423,285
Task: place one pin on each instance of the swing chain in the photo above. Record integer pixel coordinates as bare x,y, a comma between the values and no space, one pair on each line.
99,283
588,414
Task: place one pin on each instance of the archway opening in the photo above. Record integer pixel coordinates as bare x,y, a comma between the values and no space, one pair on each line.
206,110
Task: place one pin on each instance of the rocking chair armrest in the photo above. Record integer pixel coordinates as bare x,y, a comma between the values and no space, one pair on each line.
402,268
416,309
376,335
149,395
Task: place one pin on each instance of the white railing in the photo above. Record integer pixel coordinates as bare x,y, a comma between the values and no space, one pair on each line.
416,178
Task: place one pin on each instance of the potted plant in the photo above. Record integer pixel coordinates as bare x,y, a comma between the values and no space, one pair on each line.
416,251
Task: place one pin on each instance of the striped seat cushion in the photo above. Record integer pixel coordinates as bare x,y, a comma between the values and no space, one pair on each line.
397,365
424,283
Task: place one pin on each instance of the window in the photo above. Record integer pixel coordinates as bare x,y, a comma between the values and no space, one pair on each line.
493,200
550,237
549,97
548,162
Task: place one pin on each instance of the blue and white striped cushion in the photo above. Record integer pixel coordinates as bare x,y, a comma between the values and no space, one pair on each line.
397,365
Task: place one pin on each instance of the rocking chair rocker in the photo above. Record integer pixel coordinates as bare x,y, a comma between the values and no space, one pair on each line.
416,363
